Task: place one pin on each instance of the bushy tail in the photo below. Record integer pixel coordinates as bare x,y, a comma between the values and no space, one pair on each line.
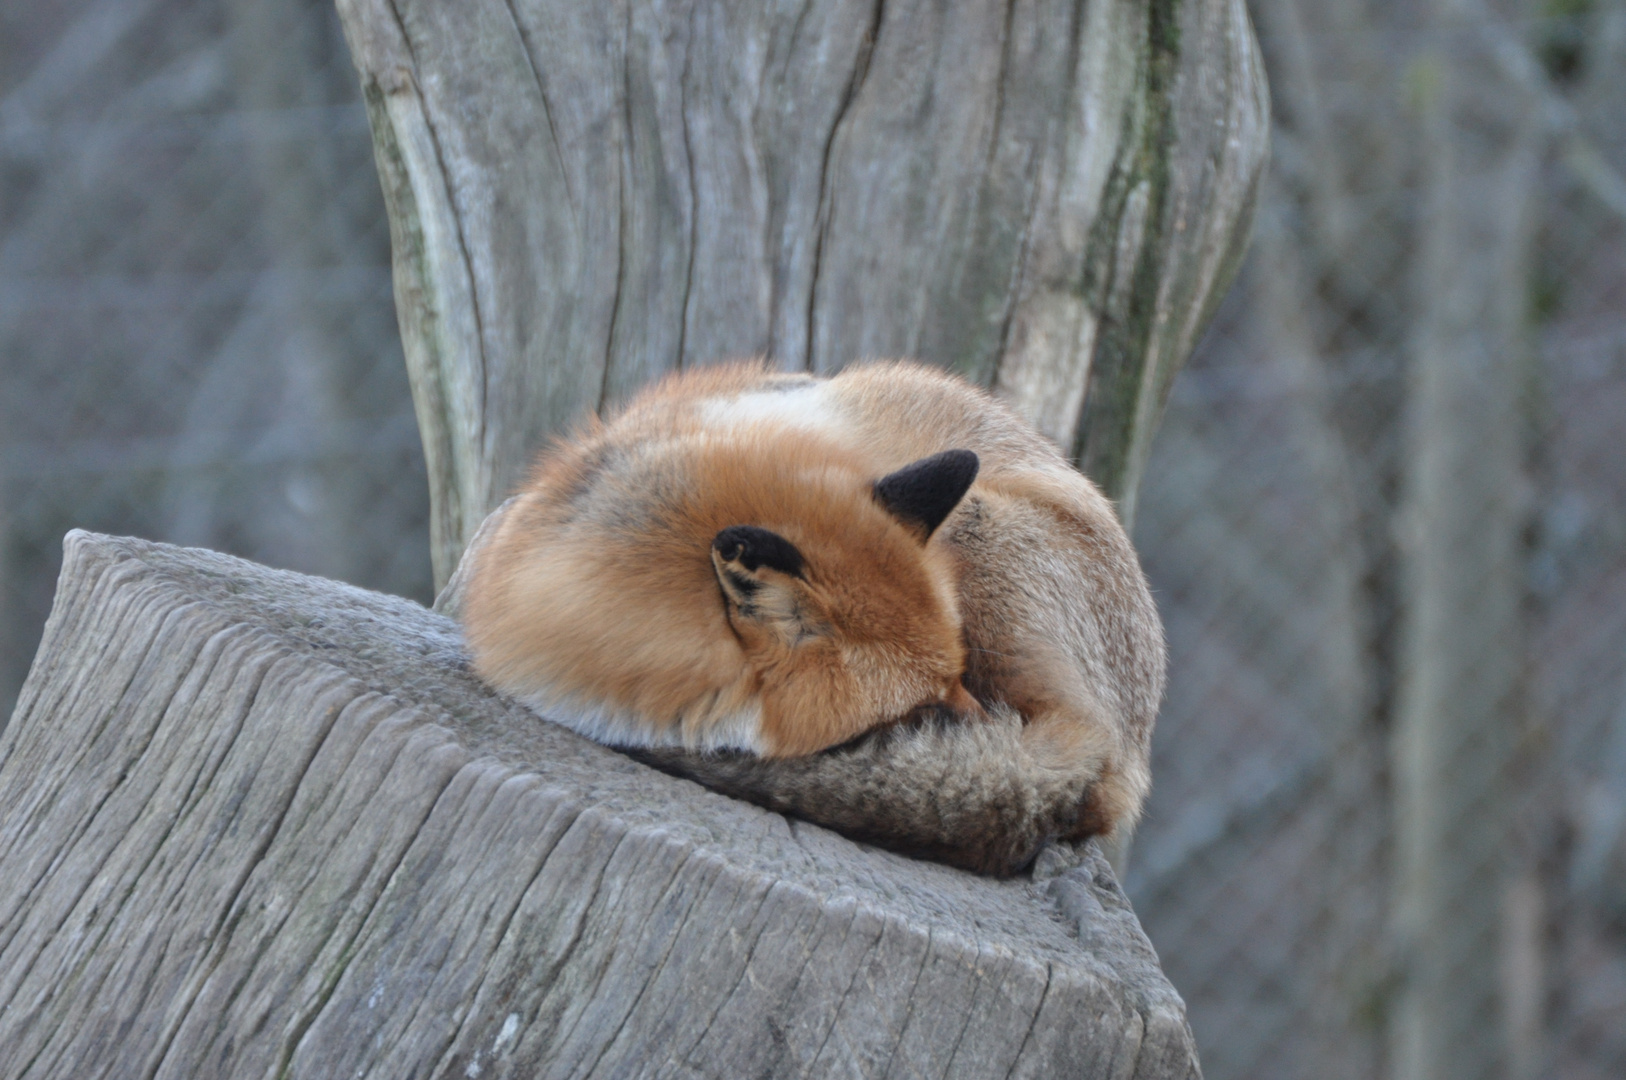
967,793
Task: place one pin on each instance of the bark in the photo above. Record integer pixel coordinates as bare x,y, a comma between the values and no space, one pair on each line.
1047,197
255,823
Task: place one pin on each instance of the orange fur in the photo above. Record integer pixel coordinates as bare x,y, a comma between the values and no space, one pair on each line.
599,584
601,601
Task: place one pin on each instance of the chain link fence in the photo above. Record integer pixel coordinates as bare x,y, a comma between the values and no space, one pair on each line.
197,333
1385,518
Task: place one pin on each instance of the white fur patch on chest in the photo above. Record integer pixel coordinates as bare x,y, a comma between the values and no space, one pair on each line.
810,406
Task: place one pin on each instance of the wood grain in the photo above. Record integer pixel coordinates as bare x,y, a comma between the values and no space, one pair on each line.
1048,197
259,824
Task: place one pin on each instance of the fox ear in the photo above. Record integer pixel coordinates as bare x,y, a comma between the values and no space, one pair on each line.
921,495
752,548
743,556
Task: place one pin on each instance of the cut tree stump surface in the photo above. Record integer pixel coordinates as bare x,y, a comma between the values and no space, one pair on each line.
254,823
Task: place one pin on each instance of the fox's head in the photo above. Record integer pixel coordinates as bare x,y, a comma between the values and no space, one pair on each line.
848,618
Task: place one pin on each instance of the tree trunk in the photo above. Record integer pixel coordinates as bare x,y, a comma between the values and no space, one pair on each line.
1047,197
260,824
1462,527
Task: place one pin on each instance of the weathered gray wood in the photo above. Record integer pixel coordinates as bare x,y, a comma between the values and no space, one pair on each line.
1046,196
259,824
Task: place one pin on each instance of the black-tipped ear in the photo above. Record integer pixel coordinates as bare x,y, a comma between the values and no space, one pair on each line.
752,547
921,495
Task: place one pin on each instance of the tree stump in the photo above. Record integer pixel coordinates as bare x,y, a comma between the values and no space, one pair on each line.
1047,197
260,824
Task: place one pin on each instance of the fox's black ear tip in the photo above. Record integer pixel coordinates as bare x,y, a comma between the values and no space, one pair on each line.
962,463
924,493
753,547
730,543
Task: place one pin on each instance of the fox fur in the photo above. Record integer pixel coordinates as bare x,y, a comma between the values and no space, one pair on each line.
878,601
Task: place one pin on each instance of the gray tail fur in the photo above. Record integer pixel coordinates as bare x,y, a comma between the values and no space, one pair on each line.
969,794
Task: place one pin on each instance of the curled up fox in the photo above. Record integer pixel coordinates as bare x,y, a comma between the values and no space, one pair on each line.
879,601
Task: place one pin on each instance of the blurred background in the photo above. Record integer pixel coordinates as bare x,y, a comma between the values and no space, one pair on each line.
1385,516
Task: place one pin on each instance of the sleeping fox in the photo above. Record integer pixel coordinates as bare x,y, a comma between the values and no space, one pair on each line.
879,601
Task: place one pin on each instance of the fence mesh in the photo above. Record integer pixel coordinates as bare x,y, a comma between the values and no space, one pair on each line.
196,324
1385,517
